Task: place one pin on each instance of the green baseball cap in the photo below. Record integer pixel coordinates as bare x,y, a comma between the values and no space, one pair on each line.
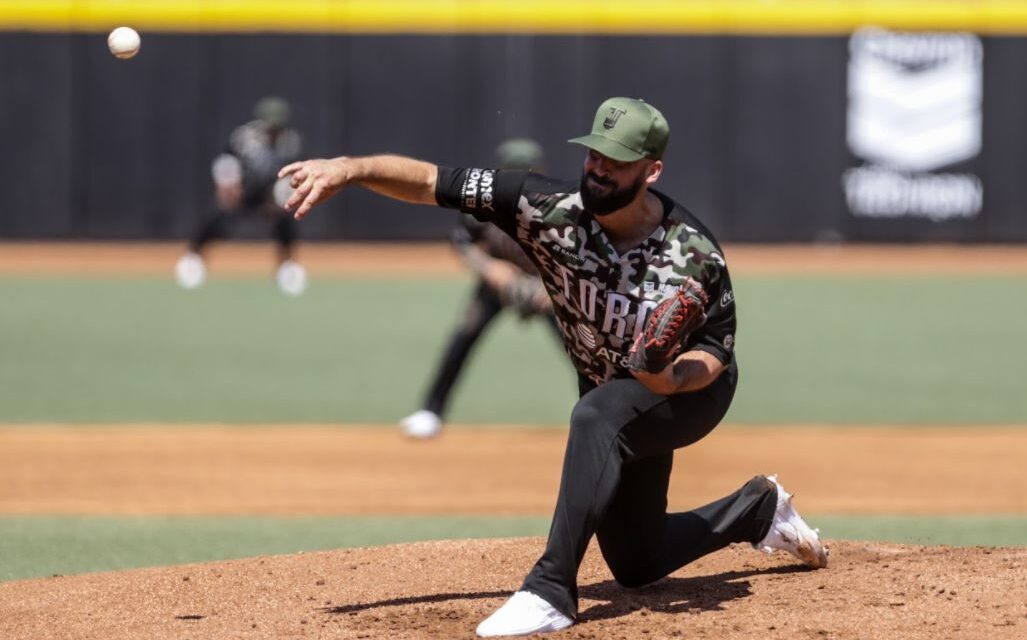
272,110
627,129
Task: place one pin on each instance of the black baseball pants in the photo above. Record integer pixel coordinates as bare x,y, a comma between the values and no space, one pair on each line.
483,308
616,472
217,223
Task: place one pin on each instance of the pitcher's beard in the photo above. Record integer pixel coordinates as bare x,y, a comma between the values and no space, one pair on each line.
601,205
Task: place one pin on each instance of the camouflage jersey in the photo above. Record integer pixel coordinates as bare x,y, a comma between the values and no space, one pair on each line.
601,300
490,239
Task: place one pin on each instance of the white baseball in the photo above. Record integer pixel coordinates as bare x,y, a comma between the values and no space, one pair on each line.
123,42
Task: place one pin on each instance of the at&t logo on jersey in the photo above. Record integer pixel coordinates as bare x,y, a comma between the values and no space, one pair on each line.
478,189
585,335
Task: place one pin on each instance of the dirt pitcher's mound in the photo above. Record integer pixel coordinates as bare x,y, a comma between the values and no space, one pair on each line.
443,589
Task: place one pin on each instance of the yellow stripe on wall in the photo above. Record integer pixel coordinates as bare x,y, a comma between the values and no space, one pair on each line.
753,17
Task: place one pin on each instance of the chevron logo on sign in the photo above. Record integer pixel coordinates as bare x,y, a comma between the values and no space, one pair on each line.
915,99
915,106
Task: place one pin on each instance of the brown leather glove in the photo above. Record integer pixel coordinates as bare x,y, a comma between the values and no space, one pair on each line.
666,331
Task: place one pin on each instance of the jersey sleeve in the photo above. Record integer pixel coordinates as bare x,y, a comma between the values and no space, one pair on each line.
490,195
717,335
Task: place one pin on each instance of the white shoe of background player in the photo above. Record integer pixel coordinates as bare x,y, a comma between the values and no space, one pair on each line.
421,424
190,272
523,614
789,532
291,278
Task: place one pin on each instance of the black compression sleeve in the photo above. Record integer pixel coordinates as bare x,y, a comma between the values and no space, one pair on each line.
490,195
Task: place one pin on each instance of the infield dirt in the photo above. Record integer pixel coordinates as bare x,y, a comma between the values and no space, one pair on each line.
443,589
311,470
438,259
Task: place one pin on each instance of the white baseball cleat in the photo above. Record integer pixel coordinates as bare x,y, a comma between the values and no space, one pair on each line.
291,278
190,272
421,424
523,614
789,532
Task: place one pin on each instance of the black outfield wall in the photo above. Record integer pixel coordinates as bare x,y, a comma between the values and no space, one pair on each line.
762,134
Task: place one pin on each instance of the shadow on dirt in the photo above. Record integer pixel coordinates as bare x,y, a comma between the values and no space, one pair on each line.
670,595
673,595
399,602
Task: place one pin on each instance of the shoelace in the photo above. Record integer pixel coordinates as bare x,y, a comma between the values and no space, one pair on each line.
687,301
673,325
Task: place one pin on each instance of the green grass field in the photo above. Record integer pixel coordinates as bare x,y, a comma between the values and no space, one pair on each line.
839,350
832,350
42,546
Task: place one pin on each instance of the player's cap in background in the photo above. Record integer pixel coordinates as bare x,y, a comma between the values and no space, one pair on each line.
272,110
520,153
627,129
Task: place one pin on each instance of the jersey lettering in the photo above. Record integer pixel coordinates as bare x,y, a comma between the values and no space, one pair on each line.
587,302
617,309
644,309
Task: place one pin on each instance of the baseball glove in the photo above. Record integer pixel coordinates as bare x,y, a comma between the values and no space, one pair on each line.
673,320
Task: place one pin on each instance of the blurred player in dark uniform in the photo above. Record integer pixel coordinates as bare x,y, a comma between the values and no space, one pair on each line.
506,279
246,184
613,252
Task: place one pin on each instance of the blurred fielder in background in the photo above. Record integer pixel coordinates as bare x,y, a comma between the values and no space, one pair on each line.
246,184
506,279
641,293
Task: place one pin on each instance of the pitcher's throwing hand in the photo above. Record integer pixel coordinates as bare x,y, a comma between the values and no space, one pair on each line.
313,182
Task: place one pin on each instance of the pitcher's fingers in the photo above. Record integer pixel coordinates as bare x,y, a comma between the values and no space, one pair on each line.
301,211
315,196
308,203
290,168
299,194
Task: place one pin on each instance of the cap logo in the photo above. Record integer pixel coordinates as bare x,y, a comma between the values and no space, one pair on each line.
611,120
